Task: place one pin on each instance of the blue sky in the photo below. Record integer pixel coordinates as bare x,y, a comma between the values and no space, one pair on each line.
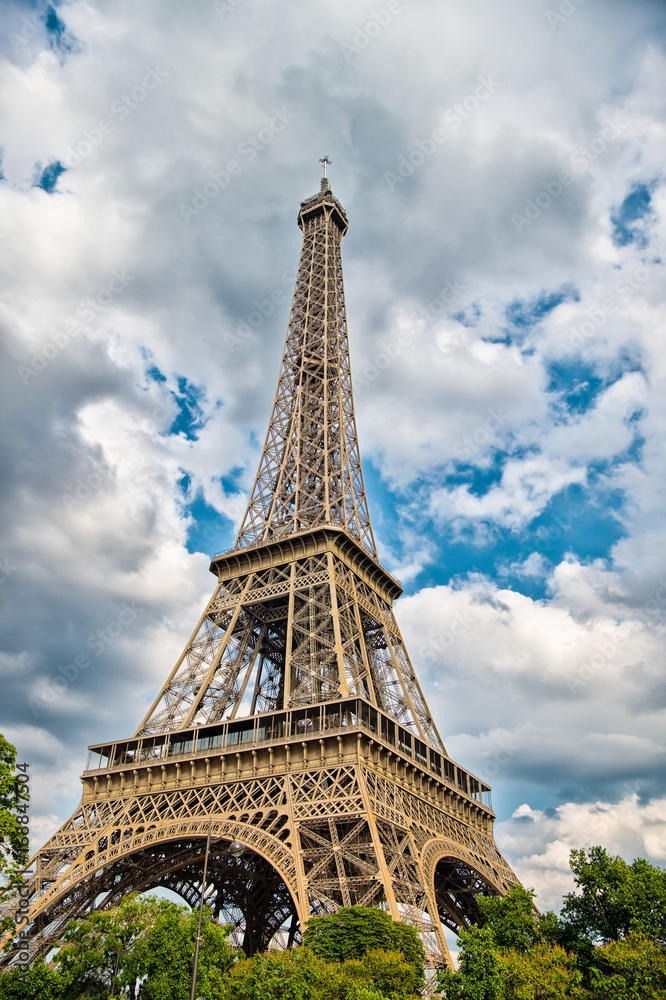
504,269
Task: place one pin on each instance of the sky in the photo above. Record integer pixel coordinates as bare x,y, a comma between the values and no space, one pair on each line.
502,169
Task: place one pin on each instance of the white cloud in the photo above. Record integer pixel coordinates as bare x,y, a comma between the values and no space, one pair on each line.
540,843
534,566
525,490
557,693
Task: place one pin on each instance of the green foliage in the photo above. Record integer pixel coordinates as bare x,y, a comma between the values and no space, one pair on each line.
13,824
303,975
104,950
39,983
407,941
634,967
513,918
488,972
389,973
13,803
279,974
545,971
518,955
615,898
168,957
355,930
478,976
144,947
608,943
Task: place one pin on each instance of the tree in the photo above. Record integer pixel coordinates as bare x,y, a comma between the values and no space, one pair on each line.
39,983
608,943
488,971
389,973
355,930
513,918
98,951
280,975
13,810
634,967
13,823
478,976
544,970
103,953
167,955
144,948
303,975
615,898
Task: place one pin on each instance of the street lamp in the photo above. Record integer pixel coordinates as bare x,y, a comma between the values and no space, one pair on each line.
235,850
119,952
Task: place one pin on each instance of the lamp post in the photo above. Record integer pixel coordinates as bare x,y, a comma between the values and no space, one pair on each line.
201,906
119,952
235,850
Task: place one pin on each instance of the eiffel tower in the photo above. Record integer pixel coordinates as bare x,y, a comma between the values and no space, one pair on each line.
293,722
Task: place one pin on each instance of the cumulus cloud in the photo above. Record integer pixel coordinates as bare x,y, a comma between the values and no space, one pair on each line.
541,842
561,696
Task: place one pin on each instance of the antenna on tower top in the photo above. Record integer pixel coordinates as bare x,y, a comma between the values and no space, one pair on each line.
324,160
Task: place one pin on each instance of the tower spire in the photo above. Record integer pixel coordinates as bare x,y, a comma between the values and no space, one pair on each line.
310,470
325,161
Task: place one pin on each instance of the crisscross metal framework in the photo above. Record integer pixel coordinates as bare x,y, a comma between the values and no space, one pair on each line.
310,470
293,721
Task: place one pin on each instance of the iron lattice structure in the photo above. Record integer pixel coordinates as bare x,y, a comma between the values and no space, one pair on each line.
293,721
